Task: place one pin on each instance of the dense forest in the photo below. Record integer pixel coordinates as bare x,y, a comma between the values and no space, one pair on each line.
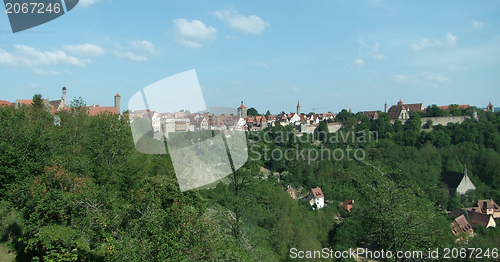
73,187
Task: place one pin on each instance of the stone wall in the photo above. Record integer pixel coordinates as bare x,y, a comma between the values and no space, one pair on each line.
441,120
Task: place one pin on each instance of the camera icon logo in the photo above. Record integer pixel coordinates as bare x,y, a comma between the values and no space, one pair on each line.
26,14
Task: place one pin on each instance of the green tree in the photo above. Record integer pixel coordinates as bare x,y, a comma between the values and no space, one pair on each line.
252,112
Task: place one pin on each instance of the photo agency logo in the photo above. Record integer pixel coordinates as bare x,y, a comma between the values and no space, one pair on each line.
26,14
201,149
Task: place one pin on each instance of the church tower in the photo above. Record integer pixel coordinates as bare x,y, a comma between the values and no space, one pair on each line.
64,101
242,110
490,108
117,102
298,108
386,108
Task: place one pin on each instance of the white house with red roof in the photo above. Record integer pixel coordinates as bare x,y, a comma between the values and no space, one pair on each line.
316,197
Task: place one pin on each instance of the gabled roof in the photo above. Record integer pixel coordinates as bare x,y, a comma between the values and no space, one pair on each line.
479,219
452,178
93,111
489,204
461,225
317,193
415,107
55,103
26,102
459,106
395,111
4,102
370,114
242,106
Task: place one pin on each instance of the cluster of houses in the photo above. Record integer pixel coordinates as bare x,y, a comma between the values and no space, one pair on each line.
482,214
315,197
185,121
62,104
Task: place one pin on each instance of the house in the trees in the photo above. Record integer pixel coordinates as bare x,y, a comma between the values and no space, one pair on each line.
486,206
476,218
489,207
461,226
316,197
458,182
481,219
347,205
291,192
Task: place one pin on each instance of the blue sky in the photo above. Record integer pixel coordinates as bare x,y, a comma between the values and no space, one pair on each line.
328,54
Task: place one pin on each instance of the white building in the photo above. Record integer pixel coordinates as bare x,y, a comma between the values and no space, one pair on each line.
316,197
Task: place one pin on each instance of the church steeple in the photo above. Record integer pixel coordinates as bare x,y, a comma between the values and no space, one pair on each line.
298,108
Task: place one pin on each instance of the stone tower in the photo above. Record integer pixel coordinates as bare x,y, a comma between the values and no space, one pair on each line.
117,102
386,108
242,110
298,108
474,114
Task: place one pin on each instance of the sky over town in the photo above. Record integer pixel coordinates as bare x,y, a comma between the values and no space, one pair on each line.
270,54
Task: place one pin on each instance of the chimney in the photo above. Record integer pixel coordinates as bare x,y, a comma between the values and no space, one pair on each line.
117,102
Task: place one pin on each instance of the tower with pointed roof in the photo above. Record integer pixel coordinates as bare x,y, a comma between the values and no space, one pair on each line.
298,108
242,110
490,108
117,102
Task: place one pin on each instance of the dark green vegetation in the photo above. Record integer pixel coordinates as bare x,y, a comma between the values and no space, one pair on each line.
80,191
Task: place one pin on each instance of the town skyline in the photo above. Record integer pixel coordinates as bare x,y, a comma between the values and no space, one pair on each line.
346,55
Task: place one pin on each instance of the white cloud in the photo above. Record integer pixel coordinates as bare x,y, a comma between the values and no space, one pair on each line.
435,77
455,68
86,3
477,24
266,66
228,37
424,78
85,50
130,55
248,24
399,78
451,41
193,34
425,43
26,56
46,72
379,56
144,46
359,62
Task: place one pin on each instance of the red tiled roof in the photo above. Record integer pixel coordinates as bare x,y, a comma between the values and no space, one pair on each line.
93,111
26,102
317,192
348,204
242,106
460,225
459,106
117,95
415,107
4,102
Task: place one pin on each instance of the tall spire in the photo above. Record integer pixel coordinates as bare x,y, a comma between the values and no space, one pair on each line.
298,108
